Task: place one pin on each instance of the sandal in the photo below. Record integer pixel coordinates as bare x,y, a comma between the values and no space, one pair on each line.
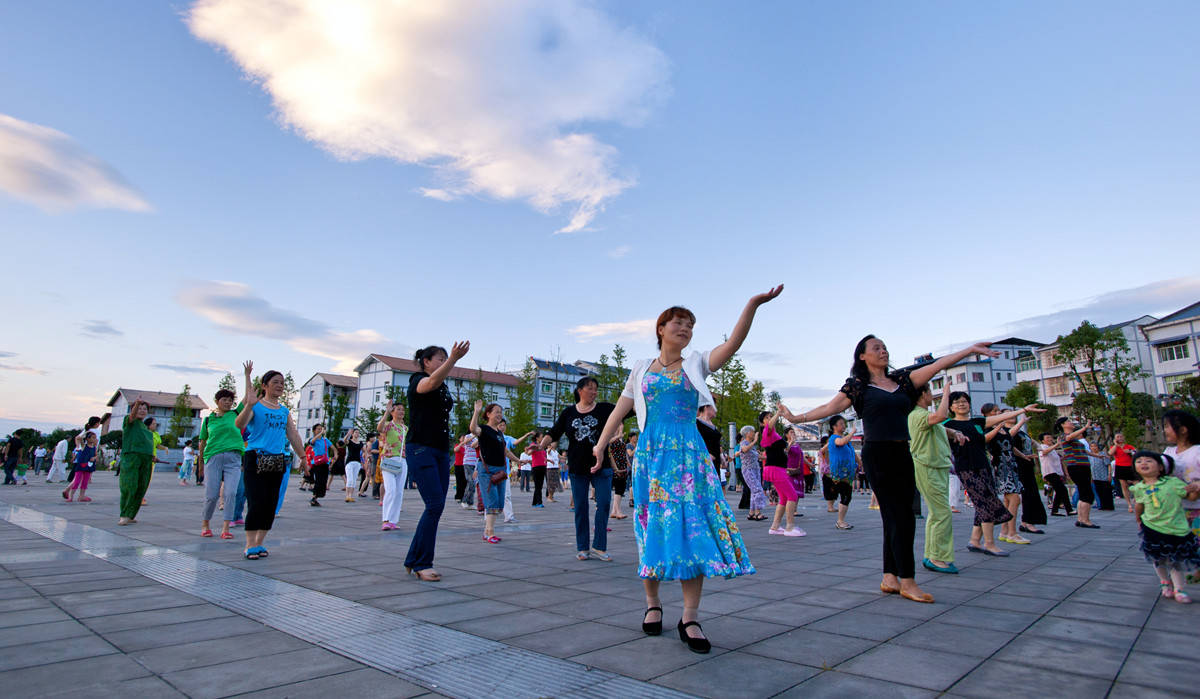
1183,598
492,539
207,533
1167,589
425,574
581,556
262,551
843,525
251,554
225,535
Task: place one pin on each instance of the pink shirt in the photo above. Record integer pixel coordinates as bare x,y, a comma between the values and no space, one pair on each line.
770,436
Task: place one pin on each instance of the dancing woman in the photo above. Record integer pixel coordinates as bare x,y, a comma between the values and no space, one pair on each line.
1008,478
137,461
684,528
392,465
843,464
354,450
265,462
221,451
493,468
775,472
752,472
1079,468
883,398
428,449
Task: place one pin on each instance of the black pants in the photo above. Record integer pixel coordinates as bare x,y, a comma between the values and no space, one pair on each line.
262,493
1081,476
842,490
827,490
320,474
1061,497
10,466
1104,493
889,468
1032,510
744,503
810,479
460,482
539,481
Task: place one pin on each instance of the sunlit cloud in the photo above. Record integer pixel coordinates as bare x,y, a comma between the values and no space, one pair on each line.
99,328
492,96
187,369
630,329
22,369
235,308
47,168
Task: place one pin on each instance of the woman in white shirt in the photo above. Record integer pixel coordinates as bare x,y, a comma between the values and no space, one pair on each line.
1052,473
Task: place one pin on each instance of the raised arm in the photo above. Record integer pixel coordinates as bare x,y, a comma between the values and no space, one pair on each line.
383,419
844,439
434,380
838,404
1002,417
474,426
525,436
722,352
250,398
619,413
922,374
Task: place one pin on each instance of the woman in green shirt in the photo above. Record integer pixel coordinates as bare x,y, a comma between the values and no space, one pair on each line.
137,461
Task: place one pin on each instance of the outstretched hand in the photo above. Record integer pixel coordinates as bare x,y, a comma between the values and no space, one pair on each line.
1033,408
248,367
760,299
478,405
459,350
984,348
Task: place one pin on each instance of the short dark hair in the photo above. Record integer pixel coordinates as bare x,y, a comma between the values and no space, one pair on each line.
187,443
1044,435
583,382
833,421
824,439
266,378
224,393
1178,419
1058,424
426,353
1166,464
988,407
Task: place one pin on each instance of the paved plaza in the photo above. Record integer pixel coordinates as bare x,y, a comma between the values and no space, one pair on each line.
90,609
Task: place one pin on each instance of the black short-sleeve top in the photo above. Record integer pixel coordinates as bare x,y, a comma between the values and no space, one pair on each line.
972,456
491,446
884,413
429,414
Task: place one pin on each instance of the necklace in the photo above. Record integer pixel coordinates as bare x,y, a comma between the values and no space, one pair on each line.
663,365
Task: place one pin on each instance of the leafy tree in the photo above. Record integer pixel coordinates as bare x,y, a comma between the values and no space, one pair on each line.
291,394
738,401
181,417
112,440
53,438
1022,395
336,411
522,411
1103,367
228,383
30,437
368,419
476,390
1189,391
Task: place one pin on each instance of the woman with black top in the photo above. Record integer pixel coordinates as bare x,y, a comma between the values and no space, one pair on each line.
428,449
1004,464
1033,513
493,468
354,449
973,469
883,398
582,423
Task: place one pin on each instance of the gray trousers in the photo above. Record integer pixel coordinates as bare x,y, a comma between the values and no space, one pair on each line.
224,467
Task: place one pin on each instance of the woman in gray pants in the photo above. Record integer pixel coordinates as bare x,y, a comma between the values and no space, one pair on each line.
221,446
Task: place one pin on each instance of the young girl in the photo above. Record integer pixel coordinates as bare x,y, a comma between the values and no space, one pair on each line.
1166,540
85,464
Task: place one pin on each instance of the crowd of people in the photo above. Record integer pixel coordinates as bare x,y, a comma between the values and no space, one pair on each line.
674,468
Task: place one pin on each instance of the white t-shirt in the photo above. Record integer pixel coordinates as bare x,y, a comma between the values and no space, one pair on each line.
189,454
60,451
40,452
551,458
1187,468
526,462
1051,462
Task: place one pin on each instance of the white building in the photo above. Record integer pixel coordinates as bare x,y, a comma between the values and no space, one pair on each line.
1055,384
162,407
985,379
1176,343
379,371
554,384
311,408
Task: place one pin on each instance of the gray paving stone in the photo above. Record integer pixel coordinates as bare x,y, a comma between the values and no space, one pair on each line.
786,613
603,607
836,685
876,627
983,618
736,675
1012,603
953,638
449,613
1076,658
581,637
1124,690
141,688
27,617
252,674
1111,635
513,624
48,652
1018,679
156,617
366,682
216,651
919,667
36,633
1159,671
35,681
423,599
1095,612
811,647
1176,645
20,604
226,627
645,658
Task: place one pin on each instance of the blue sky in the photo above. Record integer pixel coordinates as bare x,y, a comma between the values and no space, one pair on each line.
932,172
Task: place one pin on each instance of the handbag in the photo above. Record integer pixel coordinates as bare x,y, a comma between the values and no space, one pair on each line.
271,463
498,477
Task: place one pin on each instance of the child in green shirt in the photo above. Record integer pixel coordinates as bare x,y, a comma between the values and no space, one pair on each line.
1167,542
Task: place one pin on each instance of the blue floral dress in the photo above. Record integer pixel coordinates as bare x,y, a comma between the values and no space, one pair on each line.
683,525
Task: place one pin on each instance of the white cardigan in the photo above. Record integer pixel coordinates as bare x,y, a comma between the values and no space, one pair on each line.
695,366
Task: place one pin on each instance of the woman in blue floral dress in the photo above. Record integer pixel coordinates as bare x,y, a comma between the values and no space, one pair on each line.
685,529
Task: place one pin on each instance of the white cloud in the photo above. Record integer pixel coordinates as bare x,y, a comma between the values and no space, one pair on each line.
631,329
97,328
1157,298
619,252
493,95
235,308
202,368
22,369
45,167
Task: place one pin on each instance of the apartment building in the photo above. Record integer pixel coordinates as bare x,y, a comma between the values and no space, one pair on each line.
311,405
1175,341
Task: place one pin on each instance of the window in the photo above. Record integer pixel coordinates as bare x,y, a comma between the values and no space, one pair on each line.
546,411
1174,384
1056,386
1049,361
1173,351
961,378
548,387
936,384
310,413
310,394
977,376
1027,363
1006,354
377,396
1010,378
997,376
317,413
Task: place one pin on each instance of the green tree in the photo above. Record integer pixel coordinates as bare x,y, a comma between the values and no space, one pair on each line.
1103,367
1189,391
463,407
1024,394
112,440
336,411
738,401
522,410
291,394
368,419
181,417
228,383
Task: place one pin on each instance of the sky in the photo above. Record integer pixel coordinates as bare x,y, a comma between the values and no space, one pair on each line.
187,185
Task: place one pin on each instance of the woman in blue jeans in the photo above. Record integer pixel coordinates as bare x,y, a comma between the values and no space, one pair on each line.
428,448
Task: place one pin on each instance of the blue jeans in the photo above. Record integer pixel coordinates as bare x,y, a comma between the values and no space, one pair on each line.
239,501
493,493
430,469
580,483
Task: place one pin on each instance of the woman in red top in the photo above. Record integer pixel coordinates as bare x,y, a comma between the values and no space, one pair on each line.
537,463
460,478
1122,456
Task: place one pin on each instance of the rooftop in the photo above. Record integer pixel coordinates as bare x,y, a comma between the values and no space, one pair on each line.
461,373
156,399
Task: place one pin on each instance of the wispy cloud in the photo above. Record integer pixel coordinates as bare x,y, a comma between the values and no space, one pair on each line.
46,168
766,357
7,355
619,252
99,328
22,369
186,369
1113,307
235,308
490,95
629,329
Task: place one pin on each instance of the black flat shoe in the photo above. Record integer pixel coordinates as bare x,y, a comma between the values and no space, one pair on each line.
696,645
652,628
1030,530
1086,526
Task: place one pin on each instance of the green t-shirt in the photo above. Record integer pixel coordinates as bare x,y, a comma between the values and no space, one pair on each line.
927,442
136,438
1163,505
220,434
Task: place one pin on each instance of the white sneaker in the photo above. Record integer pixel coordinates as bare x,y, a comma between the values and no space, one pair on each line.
776,531
795,531
465,506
